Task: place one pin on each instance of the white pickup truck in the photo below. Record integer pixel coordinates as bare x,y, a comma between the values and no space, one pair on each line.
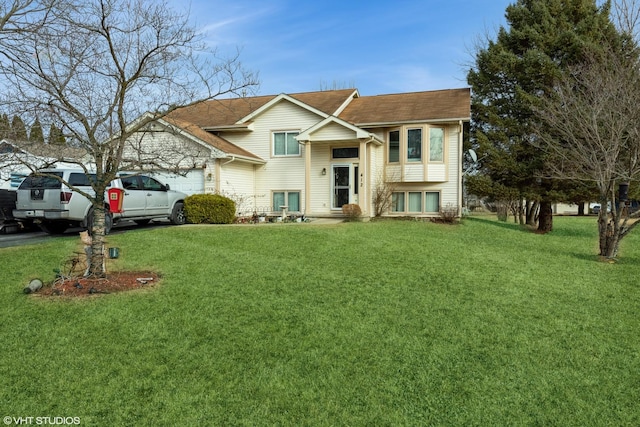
54,206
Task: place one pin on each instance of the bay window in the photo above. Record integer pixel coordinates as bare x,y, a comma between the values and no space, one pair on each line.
436,145
414,145
394,146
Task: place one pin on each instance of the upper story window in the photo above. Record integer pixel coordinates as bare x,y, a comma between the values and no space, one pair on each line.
436,145
414,145
394,146
285,144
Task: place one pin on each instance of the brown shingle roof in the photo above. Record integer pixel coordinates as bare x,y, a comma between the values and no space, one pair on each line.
220,112
211,139
408,107
326,101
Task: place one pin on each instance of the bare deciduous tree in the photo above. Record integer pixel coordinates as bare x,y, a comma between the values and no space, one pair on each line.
102,71
382,193
591,132
626,15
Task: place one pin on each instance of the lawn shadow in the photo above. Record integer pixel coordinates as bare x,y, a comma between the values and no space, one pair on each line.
586,256
501,224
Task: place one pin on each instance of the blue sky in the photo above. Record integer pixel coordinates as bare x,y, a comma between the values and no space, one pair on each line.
379,47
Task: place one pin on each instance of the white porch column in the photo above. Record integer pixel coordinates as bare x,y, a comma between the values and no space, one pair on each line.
363,179
307,177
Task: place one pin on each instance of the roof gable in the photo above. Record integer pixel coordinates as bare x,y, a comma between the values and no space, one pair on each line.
230,112
333,125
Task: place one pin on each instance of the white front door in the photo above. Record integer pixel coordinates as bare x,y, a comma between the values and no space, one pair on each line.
344,185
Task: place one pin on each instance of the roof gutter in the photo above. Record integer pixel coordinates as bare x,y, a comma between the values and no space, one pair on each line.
232,159
389,124
374,139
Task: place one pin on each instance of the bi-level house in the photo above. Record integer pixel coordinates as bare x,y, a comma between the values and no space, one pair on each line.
311,153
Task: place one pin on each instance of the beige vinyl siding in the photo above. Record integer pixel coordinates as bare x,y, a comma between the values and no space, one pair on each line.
413,172
236,182
436,172
283,116
451,188
280,173
320,184
334,132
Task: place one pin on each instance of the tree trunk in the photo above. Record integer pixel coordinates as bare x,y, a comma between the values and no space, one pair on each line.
521,212
502,211
545,221
96,260
581,209
531,213
610,230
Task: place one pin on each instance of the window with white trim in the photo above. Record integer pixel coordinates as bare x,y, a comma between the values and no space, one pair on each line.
436,145
432,201
397,202
414,145
394,146
415,202
285,144
290,199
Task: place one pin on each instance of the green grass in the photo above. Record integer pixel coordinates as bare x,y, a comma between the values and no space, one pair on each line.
384,323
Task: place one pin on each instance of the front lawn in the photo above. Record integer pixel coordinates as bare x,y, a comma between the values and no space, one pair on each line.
383,323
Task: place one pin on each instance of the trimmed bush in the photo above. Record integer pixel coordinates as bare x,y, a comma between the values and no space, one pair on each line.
351,211
209,209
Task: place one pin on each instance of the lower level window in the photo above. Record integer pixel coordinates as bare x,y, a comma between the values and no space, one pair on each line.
432,202
291,199
416,202
397,202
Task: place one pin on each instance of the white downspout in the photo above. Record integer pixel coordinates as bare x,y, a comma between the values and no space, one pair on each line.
460,155
231,160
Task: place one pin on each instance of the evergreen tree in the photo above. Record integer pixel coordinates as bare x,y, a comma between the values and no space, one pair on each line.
56,137
5,127
35,135
514,73
18,129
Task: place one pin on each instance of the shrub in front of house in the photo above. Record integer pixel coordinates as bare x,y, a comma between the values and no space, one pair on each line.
209,209
448,215
351,211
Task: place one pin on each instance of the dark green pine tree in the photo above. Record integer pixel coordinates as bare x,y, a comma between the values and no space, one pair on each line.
5,127
18,129
56,137
35,135
514,73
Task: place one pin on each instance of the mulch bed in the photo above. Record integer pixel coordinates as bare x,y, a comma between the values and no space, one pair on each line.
88,286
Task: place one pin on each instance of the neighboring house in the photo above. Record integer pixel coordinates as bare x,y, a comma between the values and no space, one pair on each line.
19,158
313,152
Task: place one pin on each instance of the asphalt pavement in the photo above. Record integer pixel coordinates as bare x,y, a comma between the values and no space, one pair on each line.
32,237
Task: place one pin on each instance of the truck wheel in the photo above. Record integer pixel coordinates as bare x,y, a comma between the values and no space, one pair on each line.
53,227
108,221
177,214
